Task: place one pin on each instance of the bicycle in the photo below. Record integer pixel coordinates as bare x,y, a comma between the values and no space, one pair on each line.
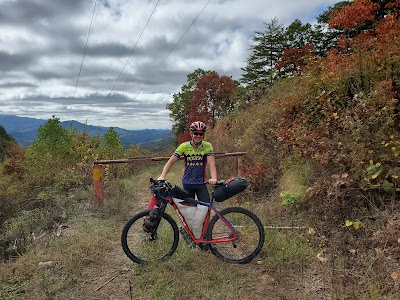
234,234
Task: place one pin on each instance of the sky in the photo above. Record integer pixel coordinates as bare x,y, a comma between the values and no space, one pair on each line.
117,63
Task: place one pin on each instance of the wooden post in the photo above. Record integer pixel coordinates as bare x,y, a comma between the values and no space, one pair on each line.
240,160
98,184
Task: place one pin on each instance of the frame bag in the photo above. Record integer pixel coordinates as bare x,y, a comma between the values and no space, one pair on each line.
230,188
194,216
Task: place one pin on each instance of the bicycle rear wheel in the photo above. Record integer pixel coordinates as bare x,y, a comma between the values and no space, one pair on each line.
139,248
249,230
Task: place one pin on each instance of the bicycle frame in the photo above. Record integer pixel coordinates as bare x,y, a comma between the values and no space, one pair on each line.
202,240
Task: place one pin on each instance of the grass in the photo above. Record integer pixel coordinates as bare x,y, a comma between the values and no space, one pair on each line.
293,183
84,243
285,250
192,274
89,247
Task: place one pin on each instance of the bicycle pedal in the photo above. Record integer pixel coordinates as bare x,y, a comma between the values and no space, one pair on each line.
205,247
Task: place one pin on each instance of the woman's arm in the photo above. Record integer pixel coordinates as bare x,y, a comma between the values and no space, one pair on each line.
213,169
173,159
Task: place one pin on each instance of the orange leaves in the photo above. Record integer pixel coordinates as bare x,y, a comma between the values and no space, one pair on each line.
294,60
354,15
211,98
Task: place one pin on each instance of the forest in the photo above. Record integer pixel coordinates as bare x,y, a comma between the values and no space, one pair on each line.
317,112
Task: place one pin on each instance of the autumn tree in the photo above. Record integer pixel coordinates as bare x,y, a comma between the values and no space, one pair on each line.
283,51
179,107
213,97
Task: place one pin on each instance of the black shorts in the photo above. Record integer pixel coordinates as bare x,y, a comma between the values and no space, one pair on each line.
199,190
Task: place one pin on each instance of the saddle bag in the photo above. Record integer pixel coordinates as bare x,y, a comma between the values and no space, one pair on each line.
230,188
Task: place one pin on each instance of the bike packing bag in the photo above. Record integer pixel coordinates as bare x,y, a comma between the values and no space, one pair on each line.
153,201
194,215
178,192
230,188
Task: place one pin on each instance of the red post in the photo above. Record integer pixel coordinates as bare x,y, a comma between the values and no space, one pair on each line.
240,160
98,184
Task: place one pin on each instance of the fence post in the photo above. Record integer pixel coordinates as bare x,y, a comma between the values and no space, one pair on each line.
240,160
98,183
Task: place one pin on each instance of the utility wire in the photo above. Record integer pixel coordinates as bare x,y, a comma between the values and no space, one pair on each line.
134,47
136,25
87,41
173,48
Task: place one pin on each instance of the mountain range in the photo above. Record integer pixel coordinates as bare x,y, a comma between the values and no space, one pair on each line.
25,129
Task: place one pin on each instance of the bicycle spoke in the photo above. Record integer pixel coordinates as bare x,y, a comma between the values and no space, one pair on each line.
249,231
141,247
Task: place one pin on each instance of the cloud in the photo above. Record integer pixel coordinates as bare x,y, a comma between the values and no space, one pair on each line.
133,64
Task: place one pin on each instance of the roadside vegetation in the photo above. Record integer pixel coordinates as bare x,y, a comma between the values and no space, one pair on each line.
320,128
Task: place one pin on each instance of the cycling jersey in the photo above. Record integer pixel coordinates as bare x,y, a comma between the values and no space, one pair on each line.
195,161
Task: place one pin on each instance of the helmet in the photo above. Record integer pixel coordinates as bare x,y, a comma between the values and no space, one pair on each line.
198,126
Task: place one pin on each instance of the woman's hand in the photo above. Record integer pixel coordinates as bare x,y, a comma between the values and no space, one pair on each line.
212,181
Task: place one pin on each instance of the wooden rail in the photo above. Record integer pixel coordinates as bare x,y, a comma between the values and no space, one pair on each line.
98,169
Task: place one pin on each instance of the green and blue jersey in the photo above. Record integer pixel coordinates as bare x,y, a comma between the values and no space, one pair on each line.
195,161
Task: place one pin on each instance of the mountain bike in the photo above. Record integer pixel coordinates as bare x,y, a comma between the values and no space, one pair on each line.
234,234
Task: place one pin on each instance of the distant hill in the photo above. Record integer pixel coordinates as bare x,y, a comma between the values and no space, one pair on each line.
8,145
24,130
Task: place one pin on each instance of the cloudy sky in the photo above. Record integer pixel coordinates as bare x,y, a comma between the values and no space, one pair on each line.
118,62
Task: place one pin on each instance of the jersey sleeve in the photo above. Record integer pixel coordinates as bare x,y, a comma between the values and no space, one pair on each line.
209,151
180,150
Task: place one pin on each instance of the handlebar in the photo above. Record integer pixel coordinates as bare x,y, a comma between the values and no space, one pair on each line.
219,182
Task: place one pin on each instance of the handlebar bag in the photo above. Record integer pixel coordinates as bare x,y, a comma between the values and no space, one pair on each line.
230,188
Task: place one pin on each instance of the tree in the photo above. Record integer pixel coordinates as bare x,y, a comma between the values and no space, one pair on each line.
181,102
298,49
5,141
53,146
294,60
211,98
266,50
354,18
111,146
214,97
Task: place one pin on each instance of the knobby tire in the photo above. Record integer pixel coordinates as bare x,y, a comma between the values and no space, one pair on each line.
250,233
135,241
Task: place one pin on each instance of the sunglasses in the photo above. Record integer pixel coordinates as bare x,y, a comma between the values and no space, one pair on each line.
198,133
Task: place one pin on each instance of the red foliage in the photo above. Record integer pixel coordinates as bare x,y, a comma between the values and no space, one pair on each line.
184,137
294,60
354,15
211,98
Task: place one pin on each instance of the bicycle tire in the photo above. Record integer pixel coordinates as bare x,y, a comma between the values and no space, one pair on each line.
139,249
250,233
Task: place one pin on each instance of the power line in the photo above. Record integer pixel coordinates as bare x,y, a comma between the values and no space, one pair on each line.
87,41
136,25
134,47
173,48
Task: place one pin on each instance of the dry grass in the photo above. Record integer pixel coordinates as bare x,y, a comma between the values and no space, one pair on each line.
90,264
82,244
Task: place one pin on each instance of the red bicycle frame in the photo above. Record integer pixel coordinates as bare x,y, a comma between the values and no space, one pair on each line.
223,239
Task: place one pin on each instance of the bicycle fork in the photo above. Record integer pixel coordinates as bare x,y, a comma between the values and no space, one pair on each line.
155,215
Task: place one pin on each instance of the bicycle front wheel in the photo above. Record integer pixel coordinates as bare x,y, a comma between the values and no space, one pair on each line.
140,248
249,230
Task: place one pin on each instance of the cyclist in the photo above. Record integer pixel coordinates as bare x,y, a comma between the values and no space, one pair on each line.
197,154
